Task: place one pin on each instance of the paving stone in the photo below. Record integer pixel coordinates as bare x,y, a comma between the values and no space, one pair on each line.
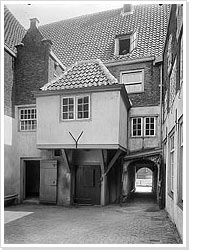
139,222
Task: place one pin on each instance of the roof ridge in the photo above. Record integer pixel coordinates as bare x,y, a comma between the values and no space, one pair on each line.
78,17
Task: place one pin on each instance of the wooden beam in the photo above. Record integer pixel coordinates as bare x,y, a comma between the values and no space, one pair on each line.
113,160
102,162
65,158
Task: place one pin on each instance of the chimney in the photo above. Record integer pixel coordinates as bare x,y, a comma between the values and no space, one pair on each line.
128,8
33,22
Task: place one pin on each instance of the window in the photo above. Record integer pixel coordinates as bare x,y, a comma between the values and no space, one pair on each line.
76,108
137,127
143,126
133,80
180,161
68,108
172,84
171,165
83,107
150,126
125,44
27,119
181,62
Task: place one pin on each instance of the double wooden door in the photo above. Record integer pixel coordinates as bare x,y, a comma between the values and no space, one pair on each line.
87,184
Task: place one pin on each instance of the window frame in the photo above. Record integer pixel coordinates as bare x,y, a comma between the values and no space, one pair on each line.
78,97
135,83
74,112
181,61
141,118
171,166
180,164
23,108
132,43
143,127
149,117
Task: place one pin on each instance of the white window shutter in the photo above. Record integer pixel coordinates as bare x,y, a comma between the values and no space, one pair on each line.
116,49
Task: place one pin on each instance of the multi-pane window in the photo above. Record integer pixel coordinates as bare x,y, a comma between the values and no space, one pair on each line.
68,108
172,163
27,119
77,107
83,107
149,126
133,81
143,126
137,126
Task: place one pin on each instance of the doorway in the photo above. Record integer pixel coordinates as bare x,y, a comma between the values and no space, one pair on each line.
87,185
32,179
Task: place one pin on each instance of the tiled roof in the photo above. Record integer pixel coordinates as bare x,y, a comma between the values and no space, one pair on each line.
13,30
92,36
90,73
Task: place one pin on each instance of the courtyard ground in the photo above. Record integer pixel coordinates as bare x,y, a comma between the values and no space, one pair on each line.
136,222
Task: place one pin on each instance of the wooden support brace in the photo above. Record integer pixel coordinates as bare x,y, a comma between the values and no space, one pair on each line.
64,155
113,160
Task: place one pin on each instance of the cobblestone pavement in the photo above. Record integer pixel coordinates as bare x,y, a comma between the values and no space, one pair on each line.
137,222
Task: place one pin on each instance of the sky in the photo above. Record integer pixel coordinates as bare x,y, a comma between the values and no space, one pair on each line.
52,11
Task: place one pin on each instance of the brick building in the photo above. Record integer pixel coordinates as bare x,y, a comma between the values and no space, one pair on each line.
86,106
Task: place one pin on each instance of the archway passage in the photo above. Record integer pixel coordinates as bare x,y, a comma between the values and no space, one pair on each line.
140,181
144,180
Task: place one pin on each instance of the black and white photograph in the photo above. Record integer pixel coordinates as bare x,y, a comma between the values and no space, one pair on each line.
94,143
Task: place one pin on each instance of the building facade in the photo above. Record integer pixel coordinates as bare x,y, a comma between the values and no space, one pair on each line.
86,100
173,116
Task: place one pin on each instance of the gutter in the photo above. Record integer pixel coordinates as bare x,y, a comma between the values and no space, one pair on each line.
9,50
130,61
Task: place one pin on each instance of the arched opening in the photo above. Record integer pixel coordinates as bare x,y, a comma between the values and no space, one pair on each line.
140,180
144,180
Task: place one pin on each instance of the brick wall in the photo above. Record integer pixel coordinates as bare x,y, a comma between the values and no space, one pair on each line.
31,72
151,94
8,83
34,66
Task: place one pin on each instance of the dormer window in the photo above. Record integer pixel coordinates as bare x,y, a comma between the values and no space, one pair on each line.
125,44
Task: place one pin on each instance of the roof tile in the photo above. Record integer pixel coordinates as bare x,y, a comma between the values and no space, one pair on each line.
13,30
92,36
75,76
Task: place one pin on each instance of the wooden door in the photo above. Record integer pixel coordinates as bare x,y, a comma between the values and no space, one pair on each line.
87,185
48,181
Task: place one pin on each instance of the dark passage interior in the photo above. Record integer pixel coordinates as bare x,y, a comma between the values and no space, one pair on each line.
32,179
